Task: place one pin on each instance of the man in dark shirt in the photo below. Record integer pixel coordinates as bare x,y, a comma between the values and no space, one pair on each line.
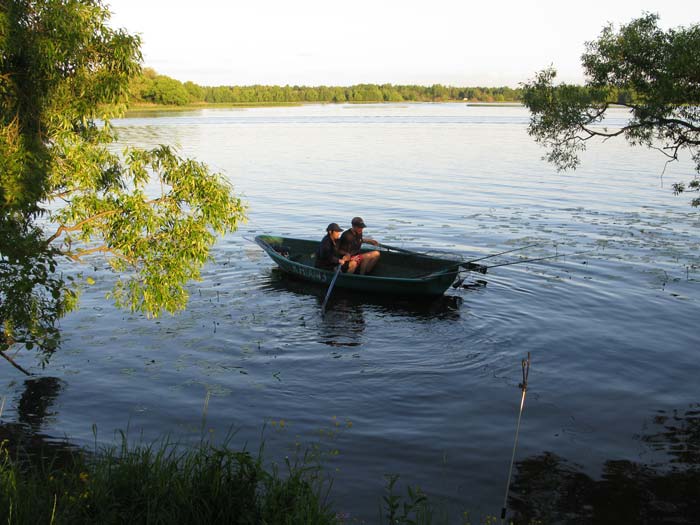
350,245
327,253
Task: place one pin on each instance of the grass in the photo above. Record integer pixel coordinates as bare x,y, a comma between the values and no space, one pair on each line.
159,483
164,482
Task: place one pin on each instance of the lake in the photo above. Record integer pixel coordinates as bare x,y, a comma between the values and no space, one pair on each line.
427,390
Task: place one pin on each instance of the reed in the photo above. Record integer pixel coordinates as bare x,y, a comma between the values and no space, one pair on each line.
166,483
160,483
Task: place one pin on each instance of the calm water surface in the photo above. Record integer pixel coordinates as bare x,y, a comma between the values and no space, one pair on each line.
426,390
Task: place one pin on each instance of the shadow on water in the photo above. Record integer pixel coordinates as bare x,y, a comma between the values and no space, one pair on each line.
35,405
546,489
24,438
350,303
550,489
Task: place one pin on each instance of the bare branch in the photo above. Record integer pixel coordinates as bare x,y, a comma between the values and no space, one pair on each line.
672,156
77,256
59,195
614,133
683,123
63,228
599,113
82,253
13,363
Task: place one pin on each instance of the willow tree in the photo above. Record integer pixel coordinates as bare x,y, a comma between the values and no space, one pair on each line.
652,72
64,194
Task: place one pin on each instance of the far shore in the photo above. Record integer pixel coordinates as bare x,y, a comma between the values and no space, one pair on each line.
152,108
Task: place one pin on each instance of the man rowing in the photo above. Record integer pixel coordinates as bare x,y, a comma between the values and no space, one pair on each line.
350,245
327,253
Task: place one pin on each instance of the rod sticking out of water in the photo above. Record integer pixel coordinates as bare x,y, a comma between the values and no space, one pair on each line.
204,414
523,387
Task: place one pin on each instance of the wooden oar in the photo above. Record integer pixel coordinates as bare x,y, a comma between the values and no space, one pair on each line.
395,249
330,289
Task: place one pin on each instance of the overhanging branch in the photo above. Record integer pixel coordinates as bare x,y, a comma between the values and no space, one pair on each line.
617,133
13,363
77,256
63,228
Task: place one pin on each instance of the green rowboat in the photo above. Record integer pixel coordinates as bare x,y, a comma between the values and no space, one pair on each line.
402,274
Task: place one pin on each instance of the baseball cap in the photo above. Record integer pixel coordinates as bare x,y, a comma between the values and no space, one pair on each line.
333,227
358,222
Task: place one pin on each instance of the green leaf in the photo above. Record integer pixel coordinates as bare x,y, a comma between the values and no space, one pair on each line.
652,72
64,75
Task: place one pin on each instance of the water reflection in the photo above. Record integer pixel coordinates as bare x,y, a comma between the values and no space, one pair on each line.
343,324
24,438
680,437
481,198
348,303
547,488
550,489
34,406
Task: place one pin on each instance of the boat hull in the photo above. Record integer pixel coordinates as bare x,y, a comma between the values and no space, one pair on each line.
396,274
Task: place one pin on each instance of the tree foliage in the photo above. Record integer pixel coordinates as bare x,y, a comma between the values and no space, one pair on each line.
64,73
166,90
145,88
653,73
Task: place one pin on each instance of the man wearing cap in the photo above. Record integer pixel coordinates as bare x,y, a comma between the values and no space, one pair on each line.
350,244
327,253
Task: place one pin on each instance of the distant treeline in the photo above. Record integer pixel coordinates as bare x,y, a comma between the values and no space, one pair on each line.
160,89
150,87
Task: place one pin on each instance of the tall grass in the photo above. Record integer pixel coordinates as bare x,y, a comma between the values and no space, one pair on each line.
168,483
160,483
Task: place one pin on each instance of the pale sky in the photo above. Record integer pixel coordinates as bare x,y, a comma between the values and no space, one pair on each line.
314,42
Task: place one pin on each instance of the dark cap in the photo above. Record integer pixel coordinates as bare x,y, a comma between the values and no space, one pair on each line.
333,227
358,222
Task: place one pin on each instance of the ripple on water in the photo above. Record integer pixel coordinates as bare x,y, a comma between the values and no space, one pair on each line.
425,389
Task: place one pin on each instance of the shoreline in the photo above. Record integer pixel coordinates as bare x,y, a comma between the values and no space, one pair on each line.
152,108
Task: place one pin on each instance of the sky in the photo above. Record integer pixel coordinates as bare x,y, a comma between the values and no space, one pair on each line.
312,42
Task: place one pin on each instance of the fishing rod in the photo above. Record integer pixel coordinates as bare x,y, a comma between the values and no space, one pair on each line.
471,266
503,253
467,265
401,250
523,387
538,259
481,268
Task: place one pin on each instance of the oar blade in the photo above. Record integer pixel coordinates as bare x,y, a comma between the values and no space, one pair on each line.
330,289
